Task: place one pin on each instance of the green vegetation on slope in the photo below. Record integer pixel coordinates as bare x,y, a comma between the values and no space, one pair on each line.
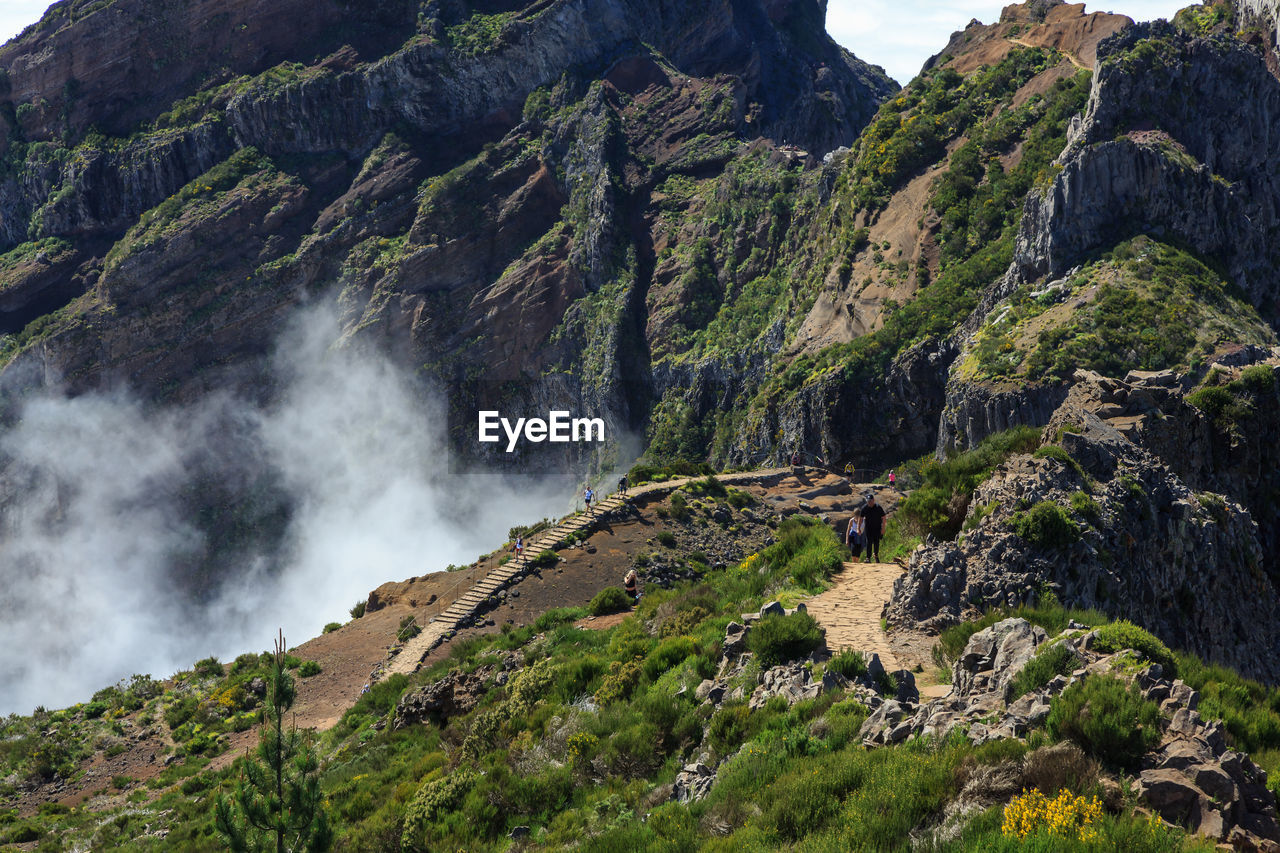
1143,305
581,743
980,203
942,490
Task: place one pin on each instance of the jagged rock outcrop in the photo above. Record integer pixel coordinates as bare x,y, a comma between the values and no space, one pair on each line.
841,417
976,410
1264,13
455,693
1146,157
1106,525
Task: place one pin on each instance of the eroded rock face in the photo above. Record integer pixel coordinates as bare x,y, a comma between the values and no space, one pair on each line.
454,694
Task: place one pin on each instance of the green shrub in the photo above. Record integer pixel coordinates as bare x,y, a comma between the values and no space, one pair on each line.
684,622
805,549
1045,525
708,485
1053,451
1258,379
646,473
436,797
939,503
95,709
1108,719
209,668
245,663
558,616
618,684
666,538
358,610
730,726
1220,405
850,664
330,627
22,833
679,507
1085,506
545,560
739,499
668,654
630,753
611,599
1126,635
777,639
308,669
409,628
1050,660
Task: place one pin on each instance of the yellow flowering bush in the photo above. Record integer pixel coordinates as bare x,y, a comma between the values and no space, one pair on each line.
581,747
1065,815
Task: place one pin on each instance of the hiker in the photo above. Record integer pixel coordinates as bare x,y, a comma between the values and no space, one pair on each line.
795,459
587,495
519,549
873,527
629,583
893,481
623,483
855,535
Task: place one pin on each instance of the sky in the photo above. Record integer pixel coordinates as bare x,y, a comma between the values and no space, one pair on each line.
896,34
900,35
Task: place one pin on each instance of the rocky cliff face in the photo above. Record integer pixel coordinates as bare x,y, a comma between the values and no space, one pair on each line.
1170,145
584,123
1145,158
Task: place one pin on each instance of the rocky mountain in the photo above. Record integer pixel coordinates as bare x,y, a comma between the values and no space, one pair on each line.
282,161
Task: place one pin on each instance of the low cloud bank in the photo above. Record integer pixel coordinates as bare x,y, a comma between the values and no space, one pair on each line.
112,513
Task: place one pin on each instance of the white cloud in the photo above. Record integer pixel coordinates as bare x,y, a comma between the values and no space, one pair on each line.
95,543
900,35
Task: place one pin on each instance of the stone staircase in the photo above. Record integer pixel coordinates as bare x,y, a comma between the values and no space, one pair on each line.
464,608
461,611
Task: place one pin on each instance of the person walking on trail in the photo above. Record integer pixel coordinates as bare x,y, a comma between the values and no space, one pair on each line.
519,549
855,534
873,526
587,495
623,483
630,584
893,481
795,459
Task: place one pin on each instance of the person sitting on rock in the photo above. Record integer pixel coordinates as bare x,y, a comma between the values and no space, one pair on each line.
630,584
855,534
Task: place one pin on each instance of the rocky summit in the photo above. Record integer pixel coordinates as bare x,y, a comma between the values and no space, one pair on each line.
262,262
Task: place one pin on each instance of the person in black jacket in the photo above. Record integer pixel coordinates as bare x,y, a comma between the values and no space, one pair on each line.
873,527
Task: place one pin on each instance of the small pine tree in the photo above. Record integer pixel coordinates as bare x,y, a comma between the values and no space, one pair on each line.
277,803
